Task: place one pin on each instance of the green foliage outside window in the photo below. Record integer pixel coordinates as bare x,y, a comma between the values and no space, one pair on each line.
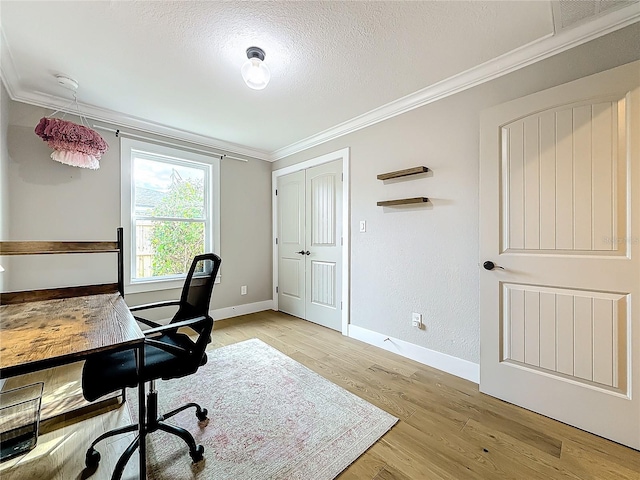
175,243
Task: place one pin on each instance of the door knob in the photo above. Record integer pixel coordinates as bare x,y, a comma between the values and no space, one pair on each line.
301,252
489,265
307,252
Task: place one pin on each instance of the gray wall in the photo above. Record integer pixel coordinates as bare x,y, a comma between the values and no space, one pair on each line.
425,259
51,201
413,259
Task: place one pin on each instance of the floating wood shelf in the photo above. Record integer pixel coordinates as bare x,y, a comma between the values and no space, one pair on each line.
403,173
402,201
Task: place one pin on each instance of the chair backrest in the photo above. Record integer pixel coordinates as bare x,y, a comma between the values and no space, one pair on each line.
198,286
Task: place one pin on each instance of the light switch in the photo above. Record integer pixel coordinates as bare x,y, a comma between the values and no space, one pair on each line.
363,226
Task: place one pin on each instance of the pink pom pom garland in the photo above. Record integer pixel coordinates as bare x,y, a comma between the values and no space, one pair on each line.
76,159
73,144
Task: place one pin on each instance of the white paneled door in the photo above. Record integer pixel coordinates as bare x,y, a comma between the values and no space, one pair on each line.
291,243
560,253
309,244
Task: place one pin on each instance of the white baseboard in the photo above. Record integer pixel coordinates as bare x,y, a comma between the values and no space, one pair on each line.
247,308
447,363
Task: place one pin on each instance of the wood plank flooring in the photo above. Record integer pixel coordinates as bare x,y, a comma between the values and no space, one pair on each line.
447,429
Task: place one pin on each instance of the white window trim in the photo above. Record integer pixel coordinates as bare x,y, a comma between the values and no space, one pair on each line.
126,195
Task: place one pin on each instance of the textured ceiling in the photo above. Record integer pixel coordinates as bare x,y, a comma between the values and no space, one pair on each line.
178,63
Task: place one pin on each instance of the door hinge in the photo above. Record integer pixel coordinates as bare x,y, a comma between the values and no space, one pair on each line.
341,241
276,192
342,177
340,305
276,289
276,240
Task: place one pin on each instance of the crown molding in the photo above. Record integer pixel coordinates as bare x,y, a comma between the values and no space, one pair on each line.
521,57
40,99
8,72
11,80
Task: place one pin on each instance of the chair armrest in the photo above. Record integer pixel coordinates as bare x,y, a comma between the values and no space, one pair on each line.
147,322
146,306
167,347
175,326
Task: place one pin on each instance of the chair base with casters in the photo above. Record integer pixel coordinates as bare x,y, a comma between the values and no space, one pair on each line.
168,354
154,422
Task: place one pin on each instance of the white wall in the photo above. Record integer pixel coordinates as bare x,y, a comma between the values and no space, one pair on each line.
4,181
4,177
425,259
52,201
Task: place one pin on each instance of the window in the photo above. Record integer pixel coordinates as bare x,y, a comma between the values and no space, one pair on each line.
170,212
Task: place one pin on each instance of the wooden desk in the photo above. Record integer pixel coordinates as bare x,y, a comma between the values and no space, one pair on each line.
49,333
46,328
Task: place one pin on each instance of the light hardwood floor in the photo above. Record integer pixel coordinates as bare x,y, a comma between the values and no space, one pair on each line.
447,429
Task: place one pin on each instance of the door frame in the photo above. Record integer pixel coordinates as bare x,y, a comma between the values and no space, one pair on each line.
343,155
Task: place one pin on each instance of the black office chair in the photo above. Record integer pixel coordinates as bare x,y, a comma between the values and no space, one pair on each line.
167,354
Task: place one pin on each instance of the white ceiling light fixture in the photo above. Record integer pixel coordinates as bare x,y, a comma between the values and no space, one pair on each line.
67,82
254,71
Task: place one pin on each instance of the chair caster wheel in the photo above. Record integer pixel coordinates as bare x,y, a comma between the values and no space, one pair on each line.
92,459
202,416
198,455
203,420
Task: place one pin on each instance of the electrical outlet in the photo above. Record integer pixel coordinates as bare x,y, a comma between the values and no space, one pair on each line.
243,290
416,319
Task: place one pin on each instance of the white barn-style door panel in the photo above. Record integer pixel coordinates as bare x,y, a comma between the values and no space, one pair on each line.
561,179
309,244
560,218
324,232
291,241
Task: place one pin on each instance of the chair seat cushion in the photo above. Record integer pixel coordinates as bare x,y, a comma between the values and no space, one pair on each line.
108,372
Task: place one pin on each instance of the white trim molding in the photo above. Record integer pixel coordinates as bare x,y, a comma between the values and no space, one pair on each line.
538,50
521,57
8,70
447,363
11,80
237,310
230,312
346,222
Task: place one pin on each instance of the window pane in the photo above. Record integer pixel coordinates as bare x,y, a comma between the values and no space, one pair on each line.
165,189
167,248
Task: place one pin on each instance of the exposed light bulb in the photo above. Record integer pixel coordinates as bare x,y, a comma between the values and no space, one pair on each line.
254,71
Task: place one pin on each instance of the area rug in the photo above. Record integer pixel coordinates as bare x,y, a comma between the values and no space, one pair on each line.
270,418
